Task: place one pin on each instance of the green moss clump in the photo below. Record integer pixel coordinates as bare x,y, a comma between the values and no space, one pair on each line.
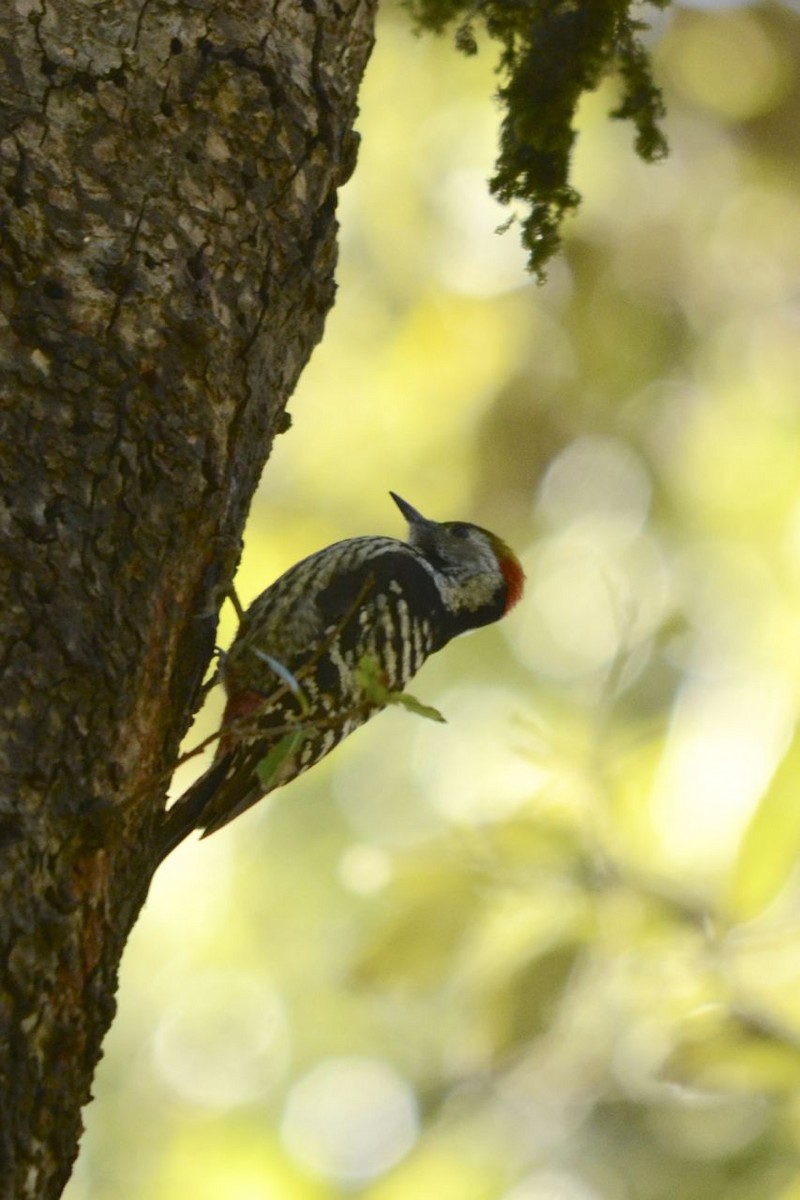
552,52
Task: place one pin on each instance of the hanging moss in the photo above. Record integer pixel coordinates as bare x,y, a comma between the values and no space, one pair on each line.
552,52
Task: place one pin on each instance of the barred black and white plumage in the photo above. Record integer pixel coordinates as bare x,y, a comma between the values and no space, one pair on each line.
391,602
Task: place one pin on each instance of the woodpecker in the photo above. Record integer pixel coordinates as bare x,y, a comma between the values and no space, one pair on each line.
294,675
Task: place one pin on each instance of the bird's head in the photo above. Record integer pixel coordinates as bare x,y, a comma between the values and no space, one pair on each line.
476,567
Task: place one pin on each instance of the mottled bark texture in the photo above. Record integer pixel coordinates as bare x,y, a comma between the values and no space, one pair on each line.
168,176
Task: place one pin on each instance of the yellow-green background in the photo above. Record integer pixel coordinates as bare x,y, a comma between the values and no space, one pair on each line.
550,951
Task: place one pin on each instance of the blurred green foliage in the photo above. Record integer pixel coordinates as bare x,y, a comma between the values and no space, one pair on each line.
551,949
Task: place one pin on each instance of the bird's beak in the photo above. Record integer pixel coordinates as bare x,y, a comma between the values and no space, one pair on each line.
414,518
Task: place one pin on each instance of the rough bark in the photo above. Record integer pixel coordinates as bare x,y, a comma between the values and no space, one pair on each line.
168,176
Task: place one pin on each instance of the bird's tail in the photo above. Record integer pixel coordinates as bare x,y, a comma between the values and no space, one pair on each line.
187,813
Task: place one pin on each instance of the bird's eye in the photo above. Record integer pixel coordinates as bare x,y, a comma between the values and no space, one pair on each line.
460,531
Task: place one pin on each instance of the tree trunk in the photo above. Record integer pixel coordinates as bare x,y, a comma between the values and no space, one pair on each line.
167,246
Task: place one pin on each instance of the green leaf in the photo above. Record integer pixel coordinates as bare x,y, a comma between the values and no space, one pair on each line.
371,678
270,765
415,706
769,850
369,674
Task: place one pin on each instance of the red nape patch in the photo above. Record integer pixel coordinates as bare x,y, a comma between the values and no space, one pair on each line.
514,577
